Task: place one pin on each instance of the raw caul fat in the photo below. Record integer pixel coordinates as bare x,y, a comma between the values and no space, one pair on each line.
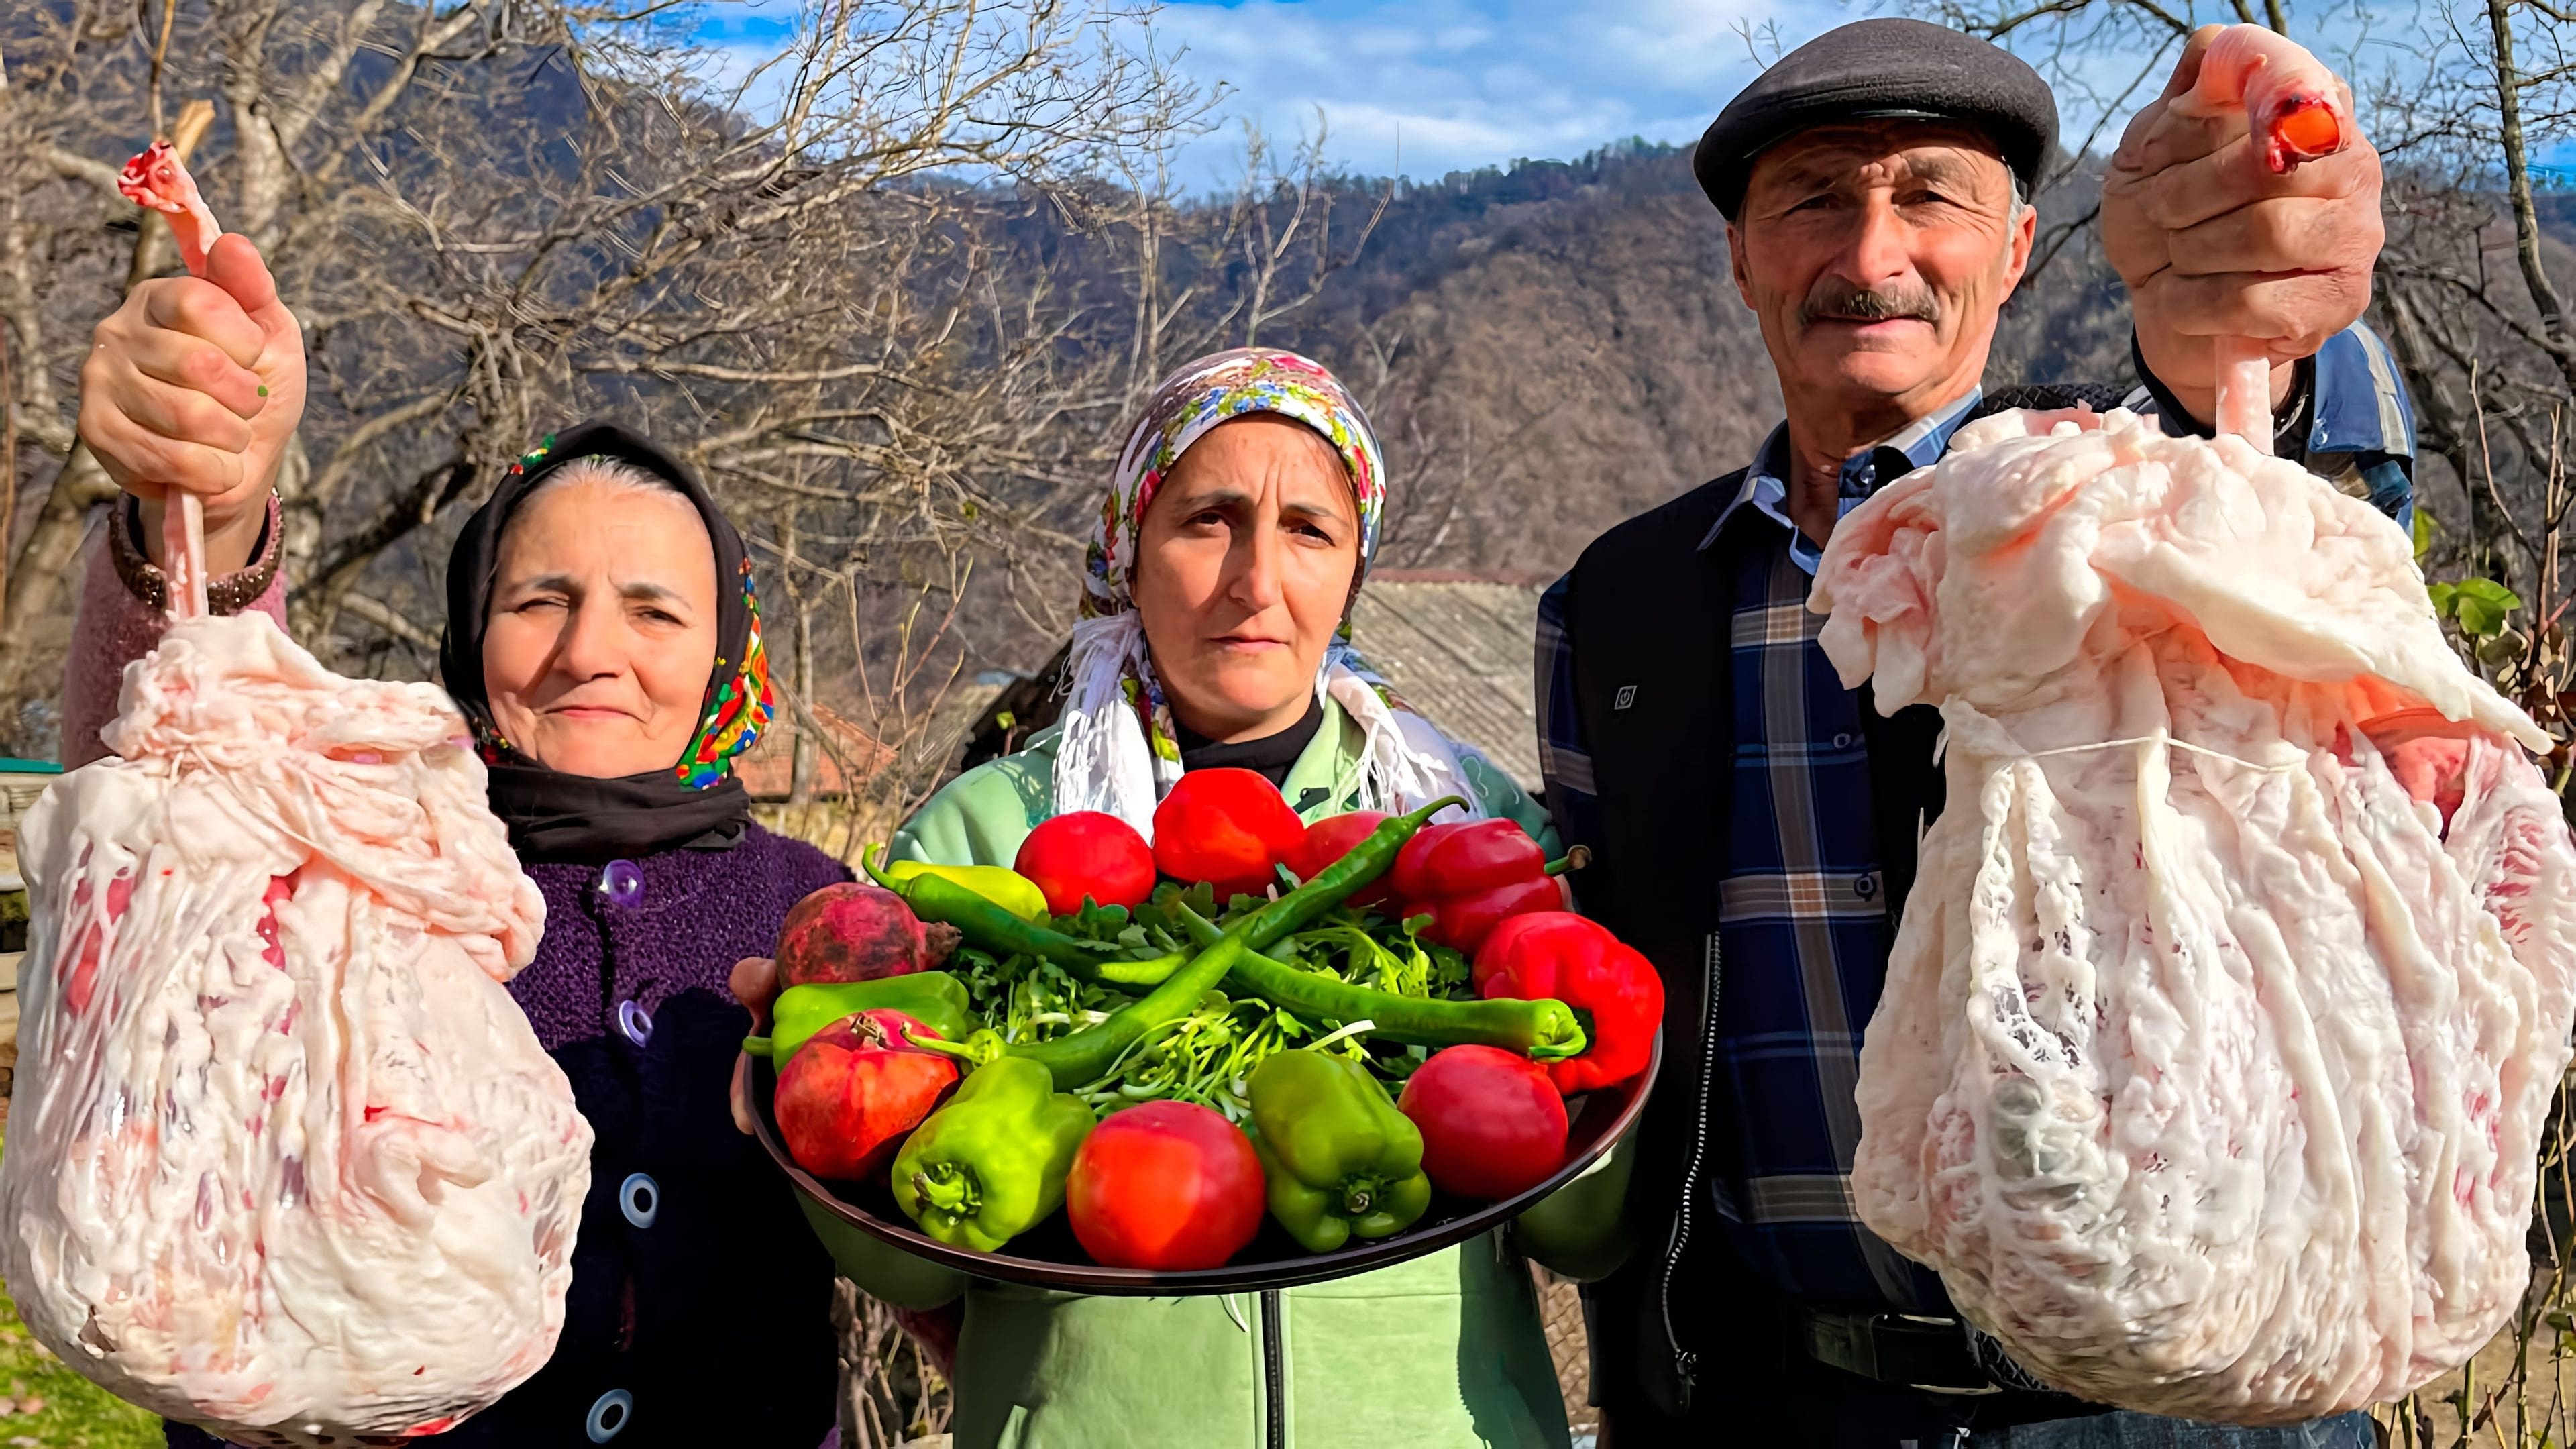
286,1160
2217,1043
284,1157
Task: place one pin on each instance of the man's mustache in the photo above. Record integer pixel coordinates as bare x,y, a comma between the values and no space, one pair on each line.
1843,301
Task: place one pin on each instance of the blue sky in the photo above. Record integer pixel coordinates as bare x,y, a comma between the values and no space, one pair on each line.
1423,87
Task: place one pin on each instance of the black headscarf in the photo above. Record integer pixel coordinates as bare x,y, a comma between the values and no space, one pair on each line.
696,804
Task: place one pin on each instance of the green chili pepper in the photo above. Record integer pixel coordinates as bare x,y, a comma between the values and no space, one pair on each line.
1090,1054
999,884
934,998
1086,1056
991,1164
992,927
1339,1160
1545,1030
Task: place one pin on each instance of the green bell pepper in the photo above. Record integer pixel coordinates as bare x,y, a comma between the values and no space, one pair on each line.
991,1164
1339,1160
934,998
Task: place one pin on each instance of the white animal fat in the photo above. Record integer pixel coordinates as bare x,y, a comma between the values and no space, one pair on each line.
2217,1042
284,1159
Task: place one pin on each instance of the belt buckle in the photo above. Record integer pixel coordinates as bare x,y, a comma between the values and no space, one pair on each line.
1990,1387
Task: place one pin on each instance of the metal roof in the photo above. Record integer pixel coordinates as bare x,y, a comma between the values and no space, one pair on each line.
1458,648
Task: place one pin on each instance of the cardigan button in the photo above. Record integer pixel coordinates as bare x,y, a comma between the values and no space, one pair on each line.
622,883
609,1415
635,1021
640,1198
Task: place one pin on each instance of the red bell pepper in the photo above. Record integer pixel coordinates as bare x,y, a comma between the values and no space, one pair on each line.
1330,839
1560,955
1470,876
1226,827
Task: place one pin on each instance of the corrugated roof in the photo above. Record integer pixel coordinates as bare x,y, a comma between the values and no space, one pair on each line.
768,767
1458,648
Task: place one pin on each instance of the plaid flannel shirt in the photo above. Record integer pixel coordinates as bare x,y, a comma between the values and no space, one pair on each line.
1807,934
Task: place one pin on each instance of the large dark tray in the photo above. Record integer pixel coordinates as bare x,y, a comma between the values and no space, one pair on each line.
1048,1256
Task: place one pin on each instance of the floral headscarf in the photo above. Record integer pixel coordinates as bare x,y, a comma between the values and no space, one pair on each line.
1214,390
1120,750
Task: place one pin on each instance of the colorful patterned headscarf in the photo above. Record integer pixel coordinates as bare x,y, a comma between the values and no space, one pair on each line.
1120,748
1212,391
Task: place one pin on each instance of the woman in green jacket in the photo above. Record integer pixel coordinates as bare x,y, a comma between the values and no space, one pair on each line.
1238,529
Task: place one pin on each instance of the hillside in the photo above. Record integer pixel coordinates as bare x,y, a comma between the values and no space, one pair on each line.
1567,348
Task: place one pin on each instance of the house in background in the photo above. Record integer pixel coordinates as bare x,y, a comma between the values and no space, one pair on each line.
768,769
1456,646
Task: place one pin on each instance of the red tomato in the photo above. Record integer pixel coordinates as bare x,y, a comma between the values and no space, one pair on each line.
1087,853
1165,1185
1227,827
1330,839
855,1089
1492,1123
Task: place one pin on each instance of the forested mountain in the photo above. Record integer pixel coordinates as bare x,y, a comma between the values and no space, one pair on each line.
902,345
1565,347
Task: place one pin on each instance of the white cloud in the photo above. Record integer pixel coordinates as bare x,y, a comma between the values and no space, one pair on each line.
1430,86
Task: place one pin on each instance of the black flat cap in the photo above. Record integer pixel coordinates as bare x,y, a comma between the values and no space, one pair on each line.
1874,69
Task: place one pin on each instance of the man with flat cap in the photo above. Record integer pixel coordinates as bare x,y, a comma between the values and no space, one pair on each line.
1753,823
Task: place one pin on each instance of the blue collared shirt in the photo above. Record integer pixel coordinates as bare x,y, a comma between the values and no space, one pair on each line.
1808,952
1766,482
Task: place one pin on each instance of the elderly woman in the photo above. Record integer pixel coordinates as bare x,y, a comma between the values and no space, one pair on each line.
603,641
1238,529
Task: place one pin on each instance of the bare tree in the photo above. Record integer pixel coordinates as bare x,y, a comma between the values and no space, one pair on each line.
495,218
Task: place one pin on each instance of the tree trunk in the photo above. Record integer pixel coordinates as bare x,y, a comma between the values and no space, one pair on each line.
2453,433
2517,175
50,557
800,758
47,563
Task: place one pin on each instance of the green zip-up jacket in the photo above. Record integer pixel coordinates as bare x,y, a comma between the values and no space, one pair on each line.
1442,1351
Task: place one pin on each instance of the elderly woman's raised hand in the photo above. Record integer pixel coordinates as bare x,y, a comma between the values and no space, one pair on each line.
197,384
2213,244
